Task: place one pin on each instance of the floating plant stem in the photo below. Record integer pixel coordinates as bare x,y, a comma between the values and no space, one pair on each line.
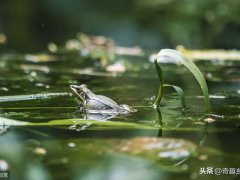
180,58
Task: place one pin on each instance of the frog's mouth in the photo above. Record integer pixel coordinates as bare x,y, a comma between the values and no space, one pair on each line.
77,91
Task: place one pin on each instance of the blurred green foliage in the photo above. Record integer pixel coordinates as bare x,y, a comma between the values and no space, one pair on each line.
31,25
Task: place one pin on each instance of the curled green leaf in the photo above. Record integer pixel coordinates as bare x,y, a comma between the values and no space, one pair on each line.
179,92
181,58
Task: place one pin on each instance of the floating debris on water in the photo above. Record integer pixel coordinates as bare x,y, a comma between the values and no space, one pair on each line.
116,67
209,120
4,89
158,148
213,54
28,67
40,151
213,97
71,144
174,155
131,51
52,47
31,97
203,157
40,58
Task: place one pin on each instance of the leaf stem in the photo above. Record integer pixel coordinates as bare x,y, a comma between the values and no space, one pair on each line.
160,90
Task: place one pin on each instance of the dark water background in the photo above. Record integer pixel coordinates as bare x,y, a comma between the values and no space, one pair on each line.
31,25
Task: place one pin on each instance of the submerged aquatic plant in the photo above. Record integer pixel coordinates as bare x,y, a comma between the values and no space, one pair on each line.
180,58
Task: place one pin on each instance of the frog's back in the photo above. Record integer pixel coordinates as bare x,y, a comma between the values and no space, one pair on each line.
100,102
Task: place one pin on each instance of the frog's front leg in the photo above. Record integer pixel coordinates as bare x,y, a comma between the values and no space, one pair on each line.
80,127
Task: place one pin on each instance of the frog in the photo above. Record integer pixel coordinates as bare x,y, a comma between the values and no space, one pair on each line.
98,104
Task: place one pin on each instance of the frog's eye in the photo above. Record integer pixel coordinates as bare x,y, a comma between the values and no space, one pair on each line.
78,89
82,95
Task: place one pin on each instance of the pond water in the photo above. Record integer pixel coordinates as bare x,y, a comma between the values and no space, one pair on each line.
43,136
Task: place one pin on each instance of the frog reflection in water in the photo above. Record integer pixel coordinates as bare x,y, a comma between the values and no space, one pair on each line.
92,103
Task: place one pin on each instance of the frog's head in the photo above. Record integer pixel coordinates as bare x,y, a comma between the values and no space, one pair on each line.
81,92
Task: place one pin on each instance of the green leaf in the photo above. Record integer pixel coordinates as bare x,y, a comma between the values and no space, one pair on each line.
95,125
180,58
179,92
